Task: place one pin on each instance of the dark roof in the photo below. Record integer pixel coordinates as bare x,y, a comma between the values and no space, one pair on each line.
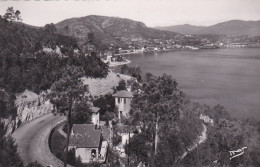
85,136
123,93
94,109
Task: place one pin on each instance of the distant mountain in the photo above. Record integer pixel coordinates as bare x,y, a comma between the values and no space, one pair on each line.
236,27
109,28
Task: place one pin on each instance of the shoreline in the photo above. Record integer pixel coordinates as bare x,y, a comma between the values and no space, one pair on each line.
114,64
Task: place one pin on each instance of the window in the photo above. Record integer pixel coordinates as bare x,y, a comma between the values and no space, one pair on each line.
118,100
124,100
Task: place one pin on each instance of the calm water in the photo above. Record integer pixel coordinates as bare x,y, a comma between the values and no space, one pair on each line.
230,77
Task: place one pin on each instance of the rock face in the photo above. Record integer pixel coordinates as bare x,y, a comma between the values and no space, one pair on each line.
31,106
10,125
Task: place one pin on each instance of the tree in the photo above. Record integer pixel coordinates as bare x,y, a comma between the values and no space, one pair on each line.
8,150
106,104
91,38
81,112
50,28
133,71
66,93
159,105
121,85
139,148
17,15
12,15
66,28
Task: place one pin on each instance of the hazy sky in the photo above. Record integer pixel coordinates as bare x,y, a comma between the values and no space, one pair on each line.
151,12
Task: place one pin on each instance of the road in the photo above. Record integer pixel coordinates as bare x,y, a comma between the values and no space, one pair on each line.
32,140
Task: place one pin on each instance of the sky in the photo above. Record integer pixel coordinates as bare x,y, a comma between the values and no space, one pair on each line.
151,12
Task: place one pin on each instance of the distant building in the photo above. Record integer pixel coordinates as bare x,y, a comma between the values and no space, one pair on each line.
95,116
122,101
206,119
87,140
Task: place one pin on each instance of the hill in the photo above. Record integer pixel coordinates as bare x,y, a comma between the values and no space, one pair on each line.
236,27
107,29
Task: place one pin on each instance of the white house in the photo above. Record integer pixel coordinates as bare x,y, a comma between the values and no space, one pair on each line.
125,132
88,142
122,101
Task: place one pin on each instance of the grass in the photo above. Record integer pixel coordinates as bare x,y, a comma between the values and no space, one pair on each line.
103,85
57,143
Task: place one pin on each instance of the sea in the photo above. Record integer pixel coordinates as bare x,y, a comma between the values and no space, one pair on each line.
229,77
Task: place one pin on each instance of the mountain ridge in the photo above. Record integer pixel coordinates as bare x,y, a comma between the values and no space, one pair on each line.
236,27
108,28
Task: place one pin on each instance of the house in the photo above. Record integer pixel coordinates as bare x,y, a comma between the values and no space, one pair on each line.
125,132
87,140
95,115
206,119
122,101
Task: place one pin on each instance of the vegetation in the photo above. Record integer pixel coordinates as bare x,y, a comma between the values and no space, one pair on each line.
57,143
121,85
106,104
34,164
12,15
8,150
226,135
39,59
170,126
132,71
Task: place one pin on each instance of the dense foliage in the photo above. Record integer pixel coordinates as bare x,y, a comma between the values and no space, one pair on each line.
162,110
132,71
107,107
38,59
157,107
226,135
24,64
8,150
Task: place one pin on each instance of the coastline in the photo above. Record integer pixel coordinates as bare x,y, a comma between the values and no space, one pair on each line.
113,64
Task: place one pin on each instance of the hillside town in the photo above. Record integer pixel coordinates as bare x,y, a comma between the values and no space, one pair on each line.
113,51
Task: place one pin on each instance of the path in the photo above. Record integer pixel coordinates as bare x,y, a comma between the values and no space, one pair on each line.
202,138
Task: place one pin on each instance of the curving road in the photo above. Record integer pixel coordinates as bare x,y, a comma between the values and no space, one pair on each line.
32,140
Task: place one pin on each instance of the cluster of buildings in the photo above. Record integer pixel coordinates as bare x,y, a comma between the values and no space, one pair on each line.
91,141
124,46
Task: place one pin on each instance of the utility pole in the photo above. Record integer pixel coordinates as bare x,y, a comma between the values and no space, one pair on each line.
128,146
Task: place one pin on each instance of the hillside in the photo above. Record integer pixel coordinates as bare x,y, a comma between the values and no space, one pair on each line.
107,29
236,27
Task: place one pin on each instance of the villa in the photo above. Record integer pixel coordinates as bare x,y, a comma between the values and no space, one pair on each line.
122,101
87,141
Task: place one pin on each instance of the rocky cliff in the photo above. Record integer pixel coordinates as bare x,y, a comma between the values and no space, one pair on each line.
29,107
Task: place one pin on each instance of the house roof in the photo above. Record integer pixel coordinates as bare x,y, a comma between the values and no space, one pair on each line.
85,136
123,93
94,109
